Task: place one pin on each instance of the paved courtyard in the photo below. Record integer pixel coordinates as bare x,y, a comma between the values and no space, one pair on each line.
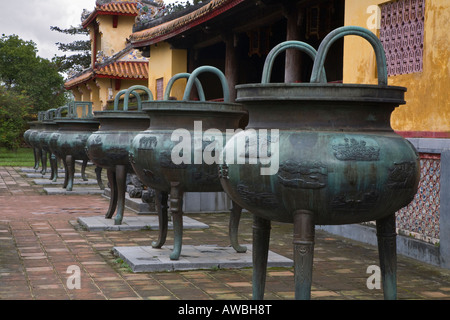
46,254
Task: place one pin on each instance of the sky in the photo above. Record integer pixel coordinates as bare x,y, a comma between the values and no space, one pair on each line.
31,20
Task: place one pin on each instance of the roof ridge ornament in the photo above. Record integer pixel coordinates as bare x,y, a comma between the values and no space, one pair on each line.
149,10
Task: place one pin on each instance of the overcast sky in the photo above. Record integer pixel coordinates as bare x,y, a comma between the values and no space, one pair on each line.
31,20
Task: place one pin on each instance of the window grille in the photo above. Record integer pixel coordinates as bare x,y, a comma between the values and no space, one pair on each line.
401,33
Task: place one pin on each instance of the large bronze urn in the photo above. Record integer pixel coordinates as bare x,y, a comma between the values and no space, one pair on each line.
109,146
321,154
49,126
175,154
69,142
30,137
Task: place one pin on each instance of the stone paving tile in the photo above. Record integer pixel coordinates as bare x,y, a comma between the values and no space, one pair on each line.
41,239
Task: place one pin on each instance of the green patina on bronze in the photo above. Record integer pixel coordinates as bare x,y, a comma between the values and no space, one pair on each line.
31,138
69,141
109,146
340,162
151,152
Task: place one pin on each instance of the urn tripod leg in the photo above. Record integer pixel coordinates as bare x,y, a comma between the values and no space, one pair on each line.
98,175
161,205
83,170
176,208
54,167
44,162
121,180
303,253
261,238
235,218
37,157
66,173
113,197
71,172
387,250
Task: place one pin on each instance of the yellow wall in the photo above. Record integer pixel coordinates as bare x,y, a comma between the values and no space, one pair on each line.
103,85
164,63
427,105
113,40
110,40
100,94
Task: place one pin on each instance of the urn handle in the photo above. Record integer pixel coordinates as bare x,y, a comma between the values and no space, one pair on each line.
86,109
41,115
198,84
214,70
291,44
60,110
125,106
134,88
50,114
357,31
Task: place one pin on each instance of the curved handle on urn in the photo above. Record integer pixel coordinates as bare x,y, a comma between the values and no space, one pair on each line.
134,88
125,105
86,110
41,115
198,84
50,114
291,44
357,31
60,110
214,70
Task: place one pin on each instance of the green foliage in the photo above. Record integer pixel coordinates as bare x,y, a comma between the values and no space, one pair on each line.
16,58
14,111
80,58
28,84
22,72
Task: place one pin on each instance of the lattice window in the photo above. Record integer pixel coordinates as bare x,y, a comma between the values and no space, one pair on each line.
159,89
401,33
420,218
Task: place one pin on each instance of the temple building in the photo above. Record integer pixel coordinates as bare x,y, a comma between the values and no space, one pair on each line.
115,64
236,35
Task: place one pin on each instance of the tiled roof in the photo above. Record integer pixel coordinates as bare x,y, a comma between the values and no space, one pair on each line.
124,7
126,64
124,69
173,27
83,77
114,70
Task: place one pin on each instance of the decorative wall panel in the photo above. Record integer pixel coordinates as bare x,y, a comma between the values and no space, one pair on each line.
401,33
420,219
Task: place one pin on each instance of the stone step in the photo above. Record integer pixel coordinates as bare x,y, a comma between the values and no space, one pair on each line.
100,223
149,259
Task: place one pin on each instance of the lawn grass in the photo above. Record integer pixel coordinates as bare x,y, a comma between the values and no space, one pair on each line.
22,157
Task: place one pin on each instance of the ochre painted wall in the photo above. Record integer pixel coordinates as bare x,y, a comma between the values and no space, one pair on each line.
110,40
113,40
164,63
427,106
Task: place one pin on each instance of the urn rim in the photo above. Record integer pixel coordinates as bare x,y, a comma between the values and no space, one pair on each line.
317,92
194,106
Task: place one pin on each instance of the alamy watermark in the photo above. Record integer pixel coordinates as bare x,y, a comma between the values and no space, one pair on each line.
242,146
74,280
374,280
373,21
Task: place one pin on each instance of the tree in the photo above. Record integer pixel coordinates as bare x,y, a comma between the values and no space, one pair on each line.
14,113
16,55
22,72
81,49
28,84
